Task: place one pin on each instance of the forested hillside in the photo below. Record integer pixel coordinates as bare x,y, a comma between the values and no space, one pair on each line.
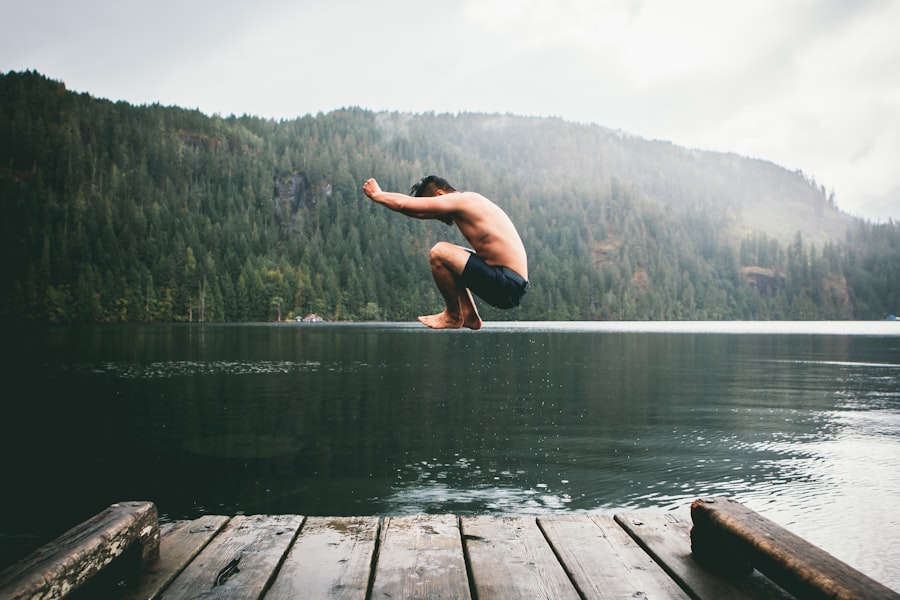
114,212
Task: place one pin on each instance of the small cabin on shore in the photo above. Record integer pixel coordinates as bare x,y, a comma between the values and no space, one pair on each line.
311,318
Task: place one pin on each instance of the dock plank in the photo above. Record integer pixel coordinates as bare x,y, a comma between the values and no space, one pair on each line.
726,533
76,557
331,559
604,561
420,557
240,561
629,555
179,543
509,558
666,537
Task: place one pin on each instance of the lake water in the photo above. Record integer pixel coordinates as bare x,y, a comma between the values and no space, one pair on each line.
799,421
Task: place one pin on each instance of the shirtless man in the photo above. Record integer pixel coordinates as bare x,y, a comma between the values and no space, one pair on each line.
497,269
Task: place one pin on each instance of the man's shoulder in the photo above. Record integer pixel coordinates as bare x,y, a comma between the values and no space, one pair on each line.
474,197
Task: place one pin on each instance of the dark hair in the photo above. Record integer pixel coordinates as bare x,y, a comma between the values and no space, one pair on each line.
427,186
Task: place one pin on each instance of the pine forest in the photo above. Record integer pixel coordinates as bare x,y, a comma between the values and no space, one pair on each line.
121,213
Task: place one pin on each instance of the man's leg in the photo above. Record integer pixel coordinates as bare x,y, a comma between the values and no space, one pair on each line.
447,264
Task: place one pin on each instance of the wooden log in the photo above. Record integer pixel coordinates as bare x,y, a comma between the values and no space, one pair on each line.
240,561
603,560
63,565
666,538
331,559
801,568
179,543
420,557
509,559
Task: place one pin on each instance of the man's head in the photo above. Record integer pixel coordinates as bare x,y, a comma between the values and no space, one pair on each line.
430,186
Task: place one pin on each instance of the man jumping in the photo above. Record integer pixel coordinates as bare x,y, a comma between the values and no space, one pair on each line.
496,270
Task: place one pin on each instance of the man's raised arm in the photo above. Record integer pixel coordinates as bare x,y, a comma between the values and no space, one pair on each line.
419,208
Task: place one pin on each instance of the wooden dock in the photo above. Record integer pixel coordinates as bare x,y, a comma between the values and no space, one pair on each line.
580,556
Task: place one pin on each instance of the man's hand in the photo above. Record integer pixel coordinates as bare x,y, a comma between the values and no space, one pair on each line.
371,187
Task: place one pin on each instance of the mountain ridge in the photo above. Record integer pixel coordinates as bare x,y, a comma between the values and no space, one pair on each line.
116,212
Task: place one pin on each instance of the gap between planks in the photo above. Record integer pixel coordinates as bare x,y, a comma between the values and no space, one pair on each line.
436,556
586,556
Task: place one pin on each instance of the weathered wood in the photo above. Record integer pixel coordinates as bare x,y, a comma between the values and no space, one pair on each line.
603,560
179,543
240,561
803,569
509,558
433,556
331,559
666,538
61,566
420,557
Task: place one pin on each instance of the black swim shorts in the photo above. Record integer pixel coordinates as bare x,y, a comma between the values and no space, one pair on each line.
498,286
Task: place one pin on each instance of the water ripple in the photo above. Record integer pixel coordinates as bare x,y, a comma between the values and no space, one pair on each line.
463,486
189,368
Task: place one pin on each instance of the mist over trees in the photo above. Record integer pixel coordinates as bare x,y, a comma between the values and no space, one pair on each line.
121,213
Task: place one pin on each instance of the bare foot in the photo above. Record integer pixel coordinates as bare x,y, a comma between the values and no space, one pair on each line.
442,321
473,321
470,316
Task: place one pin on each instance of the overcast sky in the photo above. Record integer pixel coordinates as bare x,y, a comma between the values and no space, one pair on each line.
812,85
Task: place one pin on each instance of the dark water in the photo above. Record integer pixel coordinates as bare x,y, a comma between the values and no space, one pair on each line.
799,421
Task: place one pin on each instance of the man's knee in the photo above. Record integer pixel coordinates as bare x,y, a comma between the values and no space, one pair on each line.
441,247
449,256
441,251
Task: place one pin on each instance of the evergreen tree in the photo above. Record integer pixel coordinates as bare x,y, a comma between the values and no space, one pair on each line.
117,213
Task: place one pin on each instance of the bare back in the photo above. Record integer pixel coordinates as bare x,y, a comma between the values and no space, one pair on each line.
490,232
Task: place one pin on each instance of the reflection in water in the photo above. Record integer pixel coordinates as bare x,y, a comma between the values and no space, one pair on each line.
798,423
